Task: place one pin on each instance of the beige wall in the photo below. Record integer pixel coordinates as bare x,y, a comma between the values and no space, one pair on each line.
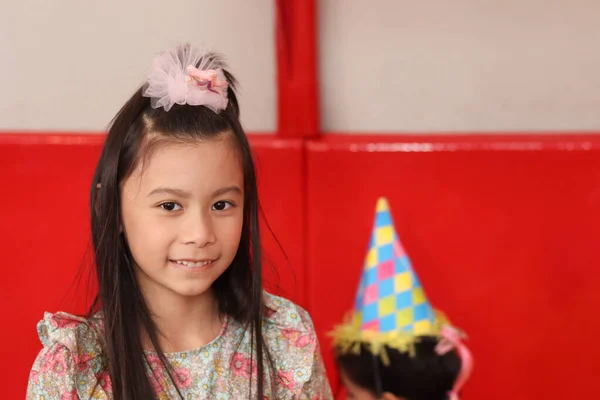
385,65
461,65
71,64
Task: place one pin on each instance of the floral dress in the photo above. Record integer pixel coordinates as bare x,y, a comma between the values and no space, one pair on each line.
72,365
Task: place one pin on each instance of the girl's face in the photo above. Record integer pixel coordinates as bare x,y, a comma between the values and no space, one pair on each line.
182,215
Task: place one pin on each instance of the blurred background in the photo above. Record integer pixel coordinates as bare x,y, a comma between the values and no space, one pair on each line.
478,119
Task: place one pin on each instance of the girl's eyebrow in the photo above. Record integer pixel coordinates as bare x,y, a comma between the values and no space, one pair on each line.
168,190
184,194
233,188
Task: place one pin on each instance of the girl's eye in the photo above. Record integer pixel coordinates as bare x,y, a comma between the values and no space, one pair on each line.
170,206
222,206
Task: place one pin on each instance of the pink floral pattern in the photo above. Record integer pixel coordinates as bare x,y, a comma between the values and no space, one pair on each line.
55,363
286,379
72,395
72,366
241,365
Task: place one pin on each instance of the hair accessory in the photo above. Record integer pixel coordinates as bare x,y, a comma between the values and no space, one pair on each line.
208,79
451,339
187,75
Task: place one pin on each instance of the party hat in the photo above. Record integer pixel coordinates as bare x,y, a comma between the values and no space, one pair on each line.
391,307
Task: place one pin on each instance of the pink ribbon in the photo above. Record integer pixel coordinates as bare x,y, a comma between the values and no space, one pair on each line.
205,79
452,339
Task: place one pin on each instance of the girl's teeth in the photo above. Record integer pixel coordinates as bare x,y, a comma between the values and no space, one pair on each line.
194,264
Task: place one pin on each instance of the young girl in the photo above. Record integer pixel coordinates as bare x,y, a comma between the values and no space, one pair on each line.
180,311
396,346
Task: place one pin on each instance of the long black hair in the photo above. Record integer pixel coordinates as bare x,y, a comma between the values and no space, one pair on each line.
126,315
422,376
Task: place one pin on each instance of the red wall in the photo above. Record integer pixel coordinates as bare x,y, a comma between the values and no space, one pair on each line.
501,230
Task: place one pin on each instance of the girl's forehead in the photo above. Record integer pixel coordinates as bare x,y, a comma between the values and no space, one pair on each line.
208,162
215,152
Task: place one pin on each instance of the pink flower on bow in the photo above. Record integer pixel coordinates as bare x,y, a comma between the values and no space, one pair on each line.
205,79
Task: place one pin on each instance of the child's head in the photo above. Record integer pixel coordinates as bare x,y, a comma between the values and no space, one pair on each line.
174,208
423,376
395,345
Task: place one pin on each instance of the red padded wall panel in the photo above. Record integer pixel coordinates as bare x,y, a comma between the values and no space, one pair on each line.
502,231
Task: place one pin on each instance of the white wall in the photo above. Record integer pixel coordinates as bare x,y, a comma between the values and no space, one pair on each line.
71,64
461,65
386,65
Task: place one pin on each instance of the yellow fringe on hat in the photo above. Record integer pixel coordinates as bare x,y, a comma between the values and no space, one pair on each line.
347,338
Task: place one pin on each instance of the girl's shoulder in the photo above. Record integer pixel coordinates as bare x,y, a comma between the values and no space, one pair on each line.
284,314
288,328
75,333
71,361
294,348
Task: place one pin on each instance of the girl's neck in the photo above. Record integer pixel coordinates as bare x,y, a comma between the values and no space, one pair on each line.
183,323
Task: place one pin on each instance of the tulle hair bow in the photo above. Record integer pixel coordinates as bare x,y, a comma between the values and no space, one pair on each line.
187,75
